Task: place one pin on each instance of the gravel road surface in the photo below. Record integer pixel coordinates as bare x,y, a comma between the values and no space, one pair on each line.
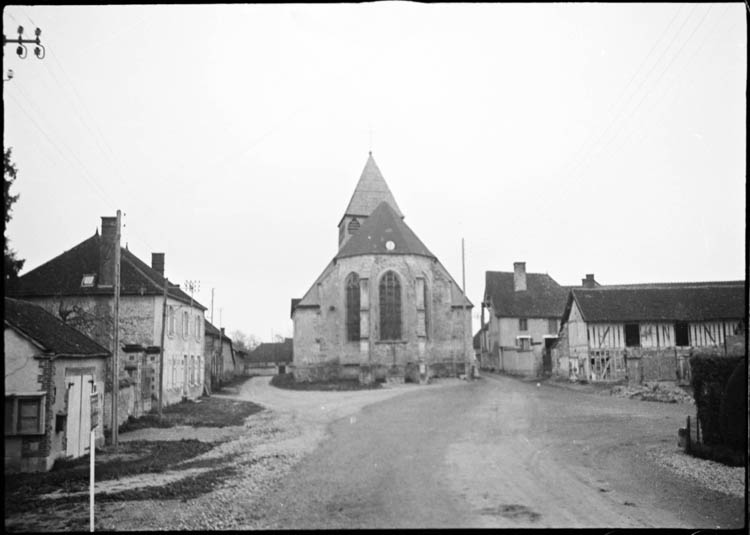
497,452
502,453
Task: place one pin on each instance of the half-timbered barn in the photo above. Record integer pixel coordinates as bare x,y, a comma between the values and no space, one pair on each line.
647,331
384,307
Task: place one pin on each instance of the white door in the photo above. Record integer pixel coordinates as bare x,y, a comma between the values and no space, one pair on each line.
79,414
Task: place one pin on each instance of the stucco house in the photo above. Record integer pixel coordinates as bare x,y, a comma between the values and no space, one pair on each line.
270,358
647,331
522,320
221,362
78,287
54,385
384,307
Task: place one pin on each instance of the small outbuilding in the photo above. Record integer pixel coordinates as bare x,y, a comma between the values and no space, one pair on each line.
270,358
54,385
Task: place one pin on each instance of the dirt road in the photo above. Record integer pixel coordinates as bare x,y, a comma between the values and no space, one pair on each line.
497,453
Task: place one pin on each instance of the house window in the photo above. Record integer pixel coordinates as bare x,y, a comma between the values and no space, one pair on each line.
198,328
523,343
24,414
171,321
390,307
88,280
681,334
632,335
523,324
185,323
552,326
353,226
352,307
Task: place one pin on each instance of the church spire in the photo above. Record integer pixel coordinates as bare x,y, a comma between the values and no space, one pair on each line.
370,191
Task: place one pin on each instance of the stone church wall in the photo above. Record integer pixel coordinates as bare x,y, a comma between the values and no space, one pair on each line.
432,332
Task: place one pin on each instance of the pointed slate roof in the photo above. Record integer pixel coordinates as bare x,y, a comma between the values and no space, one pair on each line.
50,332
371,190
384,225
62,276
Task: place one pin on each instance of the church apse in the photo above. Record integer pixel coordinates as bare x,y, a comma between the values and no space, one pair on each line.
385,307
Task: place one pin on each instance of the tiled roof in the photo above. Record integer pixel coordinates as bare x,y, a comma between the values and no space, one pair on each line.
384,225
63,274
272,352
662,302
211,330
49,331
543,297
371,190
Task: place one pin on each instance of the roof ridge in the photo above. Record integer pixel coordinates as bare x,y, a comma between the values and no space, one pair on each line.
76,246
384,223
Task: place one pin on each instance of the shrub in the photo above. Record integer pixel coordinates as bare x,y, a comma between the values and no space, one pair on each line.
732,411
710,375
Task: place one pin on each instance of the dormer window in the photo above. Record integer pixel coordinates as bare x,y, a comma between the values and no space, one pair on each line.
353,226
88,280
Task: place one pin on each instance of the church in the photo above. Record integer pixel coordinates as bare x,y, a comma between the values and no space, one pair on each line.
384,308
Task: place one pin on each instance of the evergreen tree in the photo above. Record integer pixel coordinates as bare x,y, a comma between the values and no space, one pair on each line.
12,264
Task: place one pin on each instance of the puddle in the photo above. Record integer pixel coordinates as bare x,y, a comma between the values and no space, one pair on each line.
512,511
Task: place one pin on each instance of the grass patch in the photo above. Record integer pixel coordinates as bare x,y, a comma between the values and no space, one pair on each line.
286,380
22,491
231,386
205,412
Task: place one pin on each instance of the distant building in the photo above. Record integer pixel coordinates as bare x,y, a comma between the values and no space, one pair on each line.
647,331
270,358
78,288
524,312
384,306
54,386
221,362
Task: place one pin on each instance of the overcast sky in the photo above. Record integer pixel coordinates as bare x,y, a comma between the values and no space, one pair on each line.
579,138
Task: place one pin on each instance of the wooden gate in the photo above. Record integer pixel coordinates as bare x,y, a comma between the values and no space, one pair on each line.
78,427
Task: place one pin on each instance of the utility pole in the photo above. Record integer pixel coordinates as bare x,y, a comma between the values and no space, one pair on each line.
212,304
21,51
463,308
116,344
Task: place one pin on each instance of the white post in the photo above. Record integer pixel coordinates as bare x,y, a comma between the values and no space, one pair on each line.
92,448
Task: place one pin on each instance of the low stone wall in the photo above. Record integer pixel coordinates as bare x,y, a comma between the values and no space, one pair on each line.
365,373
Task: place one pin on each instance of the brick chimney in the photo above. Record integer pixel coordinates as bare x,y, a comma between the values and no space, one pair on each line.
519,276
157,262
589,281
108,244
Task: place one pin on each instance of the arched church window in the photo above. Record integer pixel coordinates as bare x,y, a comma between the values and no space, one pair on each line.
390,307
352,307
353,226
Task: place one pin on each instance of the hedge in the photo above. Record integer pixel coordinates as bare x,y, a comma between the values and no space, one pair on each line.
733,409
710,375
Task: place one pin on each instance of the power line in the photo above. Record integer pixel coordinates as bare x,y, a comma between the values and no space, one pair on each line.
90,180
585,162
587,144
661,75
629,135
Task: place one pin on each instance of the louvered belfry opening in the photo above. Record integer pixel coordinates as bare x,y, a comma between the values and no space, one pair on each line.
390,307
352,307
